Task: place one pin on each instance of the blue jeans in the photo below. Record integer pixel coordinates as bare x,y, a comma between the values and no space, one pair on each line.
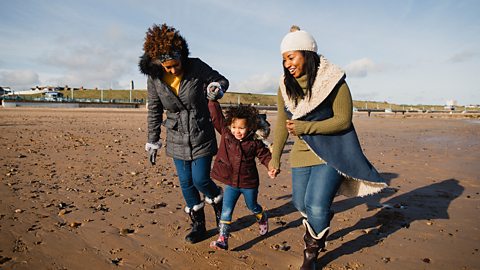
194,176
230,198
314,188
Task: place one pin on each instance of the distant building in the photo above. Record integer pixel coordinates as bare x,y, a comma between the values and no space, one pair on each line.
5,90
44,88
450,105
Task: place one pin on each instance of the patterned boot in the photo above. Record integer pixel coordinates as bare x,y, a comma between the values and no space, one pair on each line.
262,220
222,242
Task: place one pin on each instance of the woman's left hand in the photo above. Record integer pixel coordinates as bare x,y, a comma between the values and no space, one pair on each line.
291,127
214,91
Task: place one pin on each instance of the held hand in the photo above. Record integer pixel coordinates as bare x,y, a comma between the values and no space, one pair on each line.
272,173
214,91
290,124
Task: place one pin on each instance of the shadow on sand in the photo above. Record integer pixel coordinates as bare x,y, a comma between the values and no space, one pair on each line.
288,208
371,201
284,209
425,203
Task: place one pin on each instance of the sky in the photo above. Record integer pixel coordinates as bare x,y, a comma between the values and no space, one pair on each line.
402,52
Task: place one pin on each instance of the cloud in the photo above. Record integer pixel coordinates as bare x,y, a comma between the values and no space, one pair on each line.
261,84
18,79
366,96
361,67
462,56
89,65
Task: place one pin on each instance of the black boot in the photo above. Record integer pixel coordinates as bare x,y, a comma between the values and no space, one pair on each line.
313,245
198,232
217,206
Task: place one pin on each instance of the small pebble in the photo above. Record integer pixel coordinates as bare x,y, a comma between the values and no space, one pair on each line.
126,231
75,224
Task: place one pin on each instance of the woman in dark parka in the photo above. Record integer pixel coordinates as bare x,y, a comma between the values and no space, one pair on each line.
179,85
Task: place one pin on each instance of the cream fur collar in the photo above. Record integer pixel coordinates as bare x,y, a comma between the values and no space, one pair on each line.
328,75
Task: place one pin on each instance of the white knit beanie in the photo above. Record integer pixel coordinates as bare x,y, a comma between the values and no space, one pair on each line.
298,40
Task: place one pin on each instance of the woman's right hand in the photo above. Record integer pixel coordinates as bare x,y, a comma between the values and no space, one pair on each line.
290,124
272,172
152,149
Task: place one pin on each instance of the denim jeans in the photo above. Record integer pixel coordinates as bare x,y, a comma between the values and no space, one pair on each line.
194,176
314,188
230,198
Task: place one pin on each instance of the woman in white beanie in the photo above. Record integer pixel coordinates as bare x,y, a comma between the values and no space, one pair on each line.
315,104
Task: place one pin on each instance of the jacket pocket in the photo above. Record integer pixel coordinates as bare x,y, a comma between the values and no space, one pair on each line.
171,124
222,169
198,122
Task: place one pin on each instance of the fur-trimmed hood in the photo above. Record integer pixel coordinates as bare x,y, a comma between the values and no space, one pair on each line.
147,67
328,76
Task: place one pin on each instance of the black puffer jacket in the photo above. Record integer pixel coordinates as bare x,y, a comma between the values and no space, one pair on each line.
190,133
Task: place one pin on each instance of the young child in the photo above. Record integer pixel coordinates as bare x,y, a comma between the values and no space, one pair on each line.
235,165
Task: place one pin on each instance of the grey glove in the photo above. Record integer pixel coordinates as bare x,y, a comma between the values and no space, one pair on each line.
152,149
214,91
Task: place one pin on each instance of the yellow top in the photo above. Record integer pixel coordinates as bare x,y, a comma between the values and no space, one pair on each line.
172,81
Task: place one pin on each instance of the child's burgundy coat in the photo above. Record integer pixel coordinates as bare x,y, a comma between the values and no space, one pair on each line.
235,163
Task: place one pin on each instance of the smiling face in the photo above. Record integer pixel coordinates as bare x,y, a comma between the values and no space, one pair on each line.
173,67
239,128
294,62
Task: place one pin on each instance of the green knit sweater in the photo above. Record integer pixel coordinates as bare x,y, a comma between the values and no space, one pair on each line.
301,155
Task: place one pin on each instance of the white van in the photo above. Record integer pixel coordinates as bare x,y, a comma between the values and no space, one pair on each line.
53,96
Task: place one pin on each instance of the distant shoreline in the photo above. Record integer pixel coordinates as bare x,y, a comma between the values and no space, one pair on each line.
381,114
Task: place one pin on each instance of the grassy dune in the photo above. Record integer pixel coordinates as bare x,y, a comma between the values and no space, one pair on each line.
233,97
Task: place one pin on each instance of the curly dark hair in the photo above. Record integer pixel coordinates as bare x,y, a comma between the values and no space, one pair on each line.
164,39
241,111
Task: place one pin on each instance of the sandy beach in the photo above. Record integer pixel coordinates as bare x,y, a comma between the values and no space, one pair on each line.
77,192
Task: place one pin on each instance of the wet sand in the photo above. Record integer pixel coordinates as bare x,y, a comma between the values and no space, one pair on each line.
77,192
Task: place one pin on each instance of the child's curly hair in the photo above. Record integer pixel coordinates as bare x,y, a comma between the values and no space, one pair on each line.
164,39
241,111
